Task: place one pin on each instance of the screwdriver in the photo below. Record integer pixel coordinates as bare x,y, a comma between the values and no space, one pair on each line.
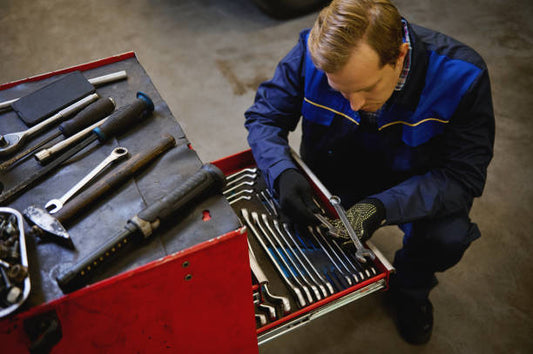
119,121
89,115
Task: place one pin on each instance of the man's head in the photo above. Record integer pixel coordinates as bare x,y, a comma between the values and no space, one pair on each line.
358,44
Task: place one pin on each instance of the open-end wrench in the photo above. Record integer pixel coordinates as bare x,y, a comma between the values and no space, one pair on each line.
328,254
295,251
311,265
296,269
11,142
262,279
55,205
344,261
361,252
280,258
296,291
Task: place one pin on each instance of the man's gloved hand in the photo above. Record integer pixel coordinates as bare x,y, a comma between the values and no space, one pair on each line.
365,217
296,198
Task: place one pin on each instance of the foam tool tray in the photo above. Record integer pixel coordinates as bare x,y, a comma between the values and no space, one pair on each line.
307,273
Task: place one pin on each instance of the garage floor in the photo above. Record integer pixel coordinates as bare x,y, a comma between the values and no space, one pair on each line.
206,57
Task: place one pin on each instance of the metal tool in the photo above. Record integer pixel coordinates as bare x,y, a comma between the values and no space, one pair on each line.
331,258
343,261
251,176
281,259
206,181
240,193
50,227
295,290
332,230
242,197
45,155
295,268
97,81
229,178
361,252
281,301
309,268
55,205
89,115
11,142
230,190
119,121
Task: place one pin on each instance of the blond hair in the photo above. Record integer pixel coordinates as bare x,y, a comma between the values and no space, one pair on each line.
344,23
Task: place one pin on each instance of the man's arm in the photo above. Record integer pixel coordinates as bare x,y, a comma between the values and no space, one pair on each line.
466,151
275,112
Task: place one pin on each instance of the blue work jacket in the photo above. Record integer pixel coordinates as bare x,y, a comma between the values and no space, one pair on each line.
426,154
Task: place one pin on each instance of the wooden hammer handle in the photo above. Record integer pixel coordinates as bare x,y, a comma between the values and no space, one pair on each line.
113,180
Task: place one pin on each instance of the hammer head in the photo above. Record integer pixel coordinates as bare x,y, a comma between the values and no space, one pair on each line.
47,227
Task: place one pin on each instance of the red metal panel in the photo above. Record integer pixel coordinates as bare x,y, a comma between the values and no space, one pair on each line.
195,301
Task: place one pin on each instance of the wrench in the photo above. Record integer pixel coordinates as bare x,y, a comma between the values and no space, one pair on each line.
54,205
11,142
361,252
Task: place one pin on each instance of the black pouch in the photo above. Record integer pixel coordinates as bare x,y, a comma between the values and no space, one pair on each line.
44,102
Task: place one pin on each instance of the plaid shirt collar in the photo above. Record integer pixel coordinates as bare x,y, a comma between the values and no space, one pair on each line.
407,61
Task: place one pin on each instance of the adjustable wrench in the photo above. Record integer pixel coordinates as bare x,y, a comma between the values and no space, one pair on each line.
361,252
55,205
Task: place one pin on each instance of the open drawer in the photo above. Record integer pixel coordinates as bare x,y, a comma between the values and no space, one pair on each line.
299,274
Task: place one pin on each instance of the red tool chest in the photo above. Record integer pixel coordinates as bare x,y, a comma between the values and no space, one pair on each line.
189,289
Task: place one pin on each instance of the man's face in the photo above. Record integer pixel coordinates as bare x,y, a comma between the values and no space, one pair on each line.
363,82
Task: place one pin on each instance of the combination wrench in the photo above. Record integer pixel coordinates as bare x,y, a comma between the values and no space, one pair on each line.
12,141
361,251
55,205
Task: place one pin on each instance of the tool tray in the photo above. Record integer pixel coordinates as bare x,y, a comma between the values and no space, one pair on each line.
329,274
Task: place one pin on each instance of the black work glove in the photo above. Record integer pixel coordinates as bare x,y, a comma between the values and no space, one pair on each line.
296,198
365,217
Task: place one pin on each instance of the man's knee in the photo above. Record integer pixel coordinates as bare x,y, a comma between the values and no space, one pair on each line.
448,238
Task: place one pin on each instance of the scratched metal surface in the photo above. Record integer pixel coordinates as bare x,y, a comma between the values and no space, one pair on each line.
108,216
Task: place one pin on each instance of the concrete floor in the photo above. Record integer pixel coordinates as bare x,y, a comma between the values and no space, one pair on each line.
206,57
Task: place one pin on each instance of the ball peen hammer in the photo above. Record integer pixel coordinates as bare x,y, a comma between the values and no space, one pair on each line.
207,180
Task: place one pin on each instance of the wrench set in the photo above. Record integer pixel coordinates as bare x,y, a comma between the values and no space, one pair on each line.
311,262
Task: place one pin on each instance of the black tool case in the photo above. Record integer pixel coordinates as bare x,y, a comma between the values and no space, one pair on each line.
153,297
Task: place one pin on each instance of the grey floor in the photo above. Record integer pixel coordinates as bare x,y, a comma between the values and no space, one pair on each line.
207,57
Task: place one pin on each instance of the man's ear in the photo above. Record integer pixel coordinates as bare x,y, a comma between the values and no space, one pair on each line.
404,48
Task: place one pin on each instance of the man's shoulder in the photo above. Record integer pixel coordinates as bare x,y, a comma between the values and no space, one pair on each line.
445,45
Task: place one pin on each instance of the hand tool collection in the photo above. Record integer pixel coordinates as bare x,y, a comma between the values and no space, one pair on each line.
117,122
311,262
82,118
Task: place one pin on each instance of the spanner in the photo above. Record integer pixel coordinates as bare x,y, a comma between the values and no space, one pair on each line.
11,142
54,205
361,252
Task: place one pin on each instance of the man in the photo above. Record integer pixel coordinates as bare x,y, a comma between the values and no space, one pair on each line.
398,122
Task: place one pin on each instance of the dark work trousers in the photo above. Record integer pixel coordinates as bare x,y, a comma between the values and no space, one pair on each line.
429,246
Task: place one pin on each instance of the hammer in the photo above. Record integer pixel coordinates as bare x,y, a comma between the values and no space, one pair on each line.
48,227
206,181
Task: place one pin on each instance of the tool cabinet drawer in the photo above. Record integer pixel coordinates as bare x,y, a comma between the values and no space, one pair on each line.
299,274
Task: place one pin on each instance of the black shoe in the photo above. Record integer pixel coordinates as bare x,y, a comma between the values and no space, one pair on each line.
414,318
